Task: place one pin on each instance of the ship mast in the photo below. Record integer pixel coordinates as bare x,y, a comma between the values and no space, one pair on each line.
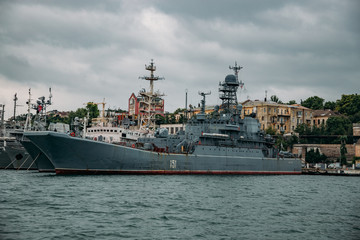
2,112
150,100
236,69
228,90
15,100
28,116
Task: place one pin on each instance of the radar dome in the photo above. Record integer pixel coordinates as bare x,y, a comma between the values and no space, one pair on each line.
230,78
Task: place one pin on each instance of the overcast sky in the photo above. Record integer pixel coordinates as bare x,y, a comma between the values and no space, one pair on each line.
90,50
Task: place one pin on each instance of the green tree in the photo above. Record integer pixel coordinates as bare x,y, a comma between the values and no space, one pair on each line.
270,131
338,125
314,156
172,119
55,119
159,119
292,140
92,109
179,110
303,129
181,118
330,105
343,150
291,102
83,112
274,98
355,118
314,103
318,130
281,143
350,106
167,119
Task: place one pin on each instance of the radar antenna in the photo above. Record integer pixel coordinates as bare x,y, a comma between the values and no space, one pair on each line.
203,101
236,69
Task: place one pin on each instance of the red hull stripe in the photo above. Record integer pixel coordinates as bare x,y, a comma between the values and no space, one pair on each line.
169,172
47,170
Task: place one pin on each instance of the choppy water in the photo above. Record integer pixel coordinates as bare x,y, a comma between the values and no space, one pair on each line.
45,206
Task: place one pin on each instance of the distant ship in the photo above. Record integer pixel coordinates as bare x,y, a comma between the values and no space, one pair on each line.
5,162
23,154
12,154
219,143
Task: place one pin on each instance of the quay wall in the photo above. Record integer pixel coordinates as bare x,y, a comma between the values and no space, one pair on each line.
332,151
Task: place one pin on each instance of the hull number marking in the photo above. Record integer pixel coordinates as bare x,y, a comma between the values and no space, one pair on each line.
173,164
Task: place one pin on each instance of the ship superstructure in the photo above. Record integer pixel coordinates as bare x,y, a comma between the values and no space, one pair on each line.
150,100
39,122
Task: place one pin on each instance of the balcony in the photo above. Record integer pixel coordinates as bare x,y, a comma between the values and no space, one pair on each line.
283,114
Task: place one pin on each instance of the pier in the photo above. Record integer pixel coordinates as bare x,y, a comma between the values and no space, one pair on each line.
331,172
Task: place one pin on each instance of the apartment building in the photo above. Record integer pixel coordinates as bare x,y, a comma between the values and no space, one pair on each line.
281,117
320,117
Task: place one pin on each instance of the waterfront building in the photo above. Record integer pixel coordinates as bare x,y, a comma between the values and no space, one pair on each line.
136,103
281,117
173,128
320,117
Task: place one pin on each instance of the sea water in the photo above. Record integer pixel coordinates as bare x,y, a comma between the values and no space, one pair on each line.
46,206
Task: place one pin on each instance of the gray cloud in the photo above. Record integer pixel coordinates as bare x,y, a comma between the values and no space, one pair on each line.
87,50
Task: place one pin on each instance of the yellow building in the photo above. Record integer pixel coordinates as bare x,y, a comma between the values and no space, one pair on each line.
282,118
194,111
320,117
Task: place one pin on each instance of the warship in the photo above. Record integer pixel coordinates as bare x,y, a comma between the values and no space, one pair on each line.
41,162
5,162
12,154
4,158
218,143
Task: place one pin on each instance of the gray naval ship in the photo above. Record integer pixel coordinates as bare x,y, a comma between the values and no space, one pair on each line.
12,154
217,143
39,159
